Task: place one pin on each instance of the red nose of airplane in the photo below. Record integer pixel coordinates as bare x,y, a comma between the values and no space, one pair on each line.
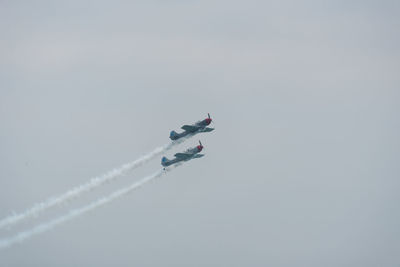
199,148
208,121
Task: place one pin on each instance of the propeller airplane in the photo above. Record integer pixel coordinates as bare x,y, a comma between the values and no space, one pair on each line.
191,153
198,127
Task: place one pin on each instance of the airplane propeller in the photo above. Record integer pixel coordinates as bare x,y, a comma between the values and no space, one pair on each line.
209,117
200,147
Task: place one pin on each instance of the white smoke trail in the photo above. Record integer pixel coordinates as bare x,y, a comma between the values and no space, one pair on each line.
93,183
22,236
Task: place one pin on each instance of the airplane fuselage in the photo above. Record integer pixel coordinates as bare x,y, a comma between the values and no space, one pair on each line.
170,162
198,127
189,154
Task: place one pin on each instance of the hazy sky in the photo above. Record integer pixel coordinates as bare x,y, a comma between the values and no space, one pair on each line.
302,169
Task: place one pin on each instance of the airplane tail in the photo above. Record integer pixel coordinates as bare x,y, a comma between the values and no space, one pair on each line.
173,135
164,161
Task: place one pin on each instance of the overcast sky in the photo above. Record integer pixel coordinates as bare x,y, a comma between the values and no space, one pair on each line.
302,169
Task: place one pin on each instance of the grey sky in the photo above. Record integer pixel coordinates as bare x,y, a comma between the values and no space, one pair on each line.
302,169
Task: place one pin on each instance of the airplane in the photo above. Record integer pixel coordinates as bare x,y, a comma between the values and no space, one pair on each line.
191,153
198,127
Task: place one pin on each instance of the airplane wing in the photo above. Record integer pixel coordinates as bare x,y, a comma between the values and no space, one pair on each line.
207,129
183,155
198,156
190,128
